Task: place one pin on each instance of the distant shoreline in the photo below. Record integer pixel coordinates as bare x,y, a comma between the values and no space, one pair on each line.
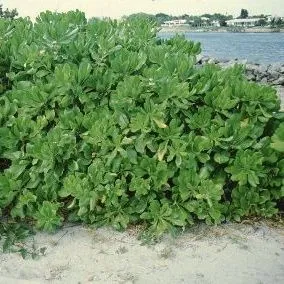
181,29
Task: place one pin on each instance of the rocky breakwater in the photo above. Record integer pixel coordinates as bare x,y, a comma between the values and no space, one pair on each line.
272,74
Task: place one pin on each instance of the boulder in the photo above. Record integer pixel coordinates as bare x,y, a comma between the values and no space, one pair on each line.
205,59
280,91
264,80
261,69
213,61
231,63
273,75
251,67
276,67
279,81
223,65
199,58
251,77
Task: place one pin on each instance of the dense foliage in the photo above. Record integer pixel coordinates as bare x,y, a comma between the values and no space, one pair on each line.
102,122
8,14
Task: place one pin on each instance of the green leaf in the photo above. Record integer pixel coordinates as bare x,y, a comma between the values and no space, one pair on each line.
141,186
221,158
247,168
84,71
25,205
278,139
47,218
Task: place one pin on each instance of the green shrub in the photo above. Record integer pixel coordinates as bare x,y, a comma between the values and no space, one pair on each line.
104,123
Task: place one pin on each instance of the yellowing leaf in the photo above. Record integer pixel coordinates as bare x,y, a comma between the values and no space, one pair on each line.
160,123
162,151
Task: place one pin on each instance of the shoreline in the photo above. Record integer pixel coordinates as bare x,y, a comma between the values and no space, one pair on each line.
218,30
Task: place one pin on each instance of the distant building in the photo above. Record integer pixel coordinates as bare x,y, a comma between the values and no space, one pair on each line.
174,23
204,19
216,23
243,22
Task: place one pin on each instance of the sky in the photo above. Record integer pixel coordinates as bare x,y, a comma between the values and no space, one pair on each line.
118,8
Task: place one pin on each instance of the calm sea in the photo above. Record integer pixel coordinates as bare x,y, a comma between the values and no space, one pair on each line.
264,48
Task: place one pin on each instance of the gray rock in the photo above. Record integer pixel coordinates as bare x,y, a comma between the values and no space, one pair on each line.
272,74
279,81
259,78
243,61
205,59
223,65
280,91
264,80
261,69
251,77
275,67
199,58
213,61
251,67
231,63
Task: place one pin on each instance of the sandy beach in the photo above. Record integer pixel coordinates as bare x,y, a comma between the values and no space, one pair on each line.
234,253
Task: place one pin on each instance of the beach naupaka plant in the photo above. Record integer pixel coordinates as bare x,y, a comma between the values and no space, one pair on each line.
105,123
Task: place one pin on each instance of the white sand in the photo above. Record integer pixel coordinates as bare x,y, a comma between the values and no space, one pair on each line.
225,254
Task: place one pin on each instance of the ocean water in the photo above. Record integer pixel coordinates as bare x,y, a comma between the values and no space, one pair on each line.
263,48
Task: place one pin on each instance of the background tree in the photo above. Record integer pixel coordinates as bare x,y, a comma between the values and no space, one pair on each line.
142,15
244,14
279,23
8,14
261,22
161,18
223,23
276,23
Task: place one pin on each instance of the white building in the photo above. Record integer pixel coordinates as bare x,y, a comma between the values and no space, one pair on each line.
174,23
216,23
243,22
205,19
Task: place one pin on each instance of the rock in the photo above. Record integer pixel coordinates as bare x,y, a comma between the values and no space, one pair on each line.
223,65
205,59
231,63
250,77
273,75
251,67
261,69
259,78
199,58
279,81
280,91
243,61
213,61
275,67
264,80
